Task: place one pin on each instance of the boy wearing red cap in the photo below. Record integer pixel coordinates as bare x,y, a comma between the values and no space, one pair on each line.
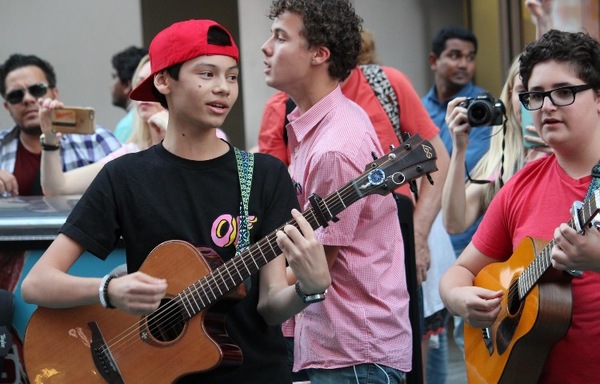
190,187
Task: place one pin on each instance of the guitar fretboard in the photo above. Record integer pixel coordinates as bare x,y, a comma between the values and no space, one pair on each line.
543,261
229,275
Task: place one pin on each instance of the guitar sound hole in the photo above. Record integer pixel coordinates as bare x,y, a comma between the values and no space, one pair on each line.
513,302
167,322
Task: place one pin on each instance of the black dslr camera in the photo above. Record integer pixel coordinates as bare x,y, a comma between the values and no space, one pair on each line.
484,110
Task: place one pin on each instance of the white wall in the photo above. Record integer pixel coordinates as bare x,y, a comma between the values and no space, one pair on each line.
78,37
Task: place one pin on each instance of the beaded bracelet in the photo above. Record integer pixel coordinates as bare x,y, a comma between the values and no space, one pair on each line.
103,291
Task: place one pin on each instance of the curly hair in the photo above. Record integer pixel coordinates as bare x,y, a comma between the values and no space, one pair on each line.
327,23
16,61
578,49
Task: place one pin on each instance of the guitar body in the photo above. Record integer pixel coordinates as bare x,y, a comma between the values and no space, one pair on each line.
515,347
58,341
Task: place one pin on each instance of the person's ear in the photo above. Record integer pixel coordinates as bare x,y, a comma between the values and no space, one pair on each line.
127,88
162,83
321,55
432,59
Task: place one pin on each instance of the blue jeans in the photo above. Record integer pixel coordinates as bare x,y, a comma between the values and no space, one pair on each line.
459,333
459,323
357,374
437,360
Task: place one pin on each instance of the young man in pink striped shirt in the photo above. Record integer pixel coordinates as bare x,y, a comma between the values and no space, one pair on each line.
362,331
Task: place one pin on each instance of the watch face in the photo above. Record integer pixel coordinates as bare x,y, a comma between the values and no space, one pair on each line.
314,298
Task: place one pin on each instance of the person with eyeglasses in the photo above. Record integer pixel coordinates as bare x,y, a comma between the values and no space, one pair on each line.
24,79
561,75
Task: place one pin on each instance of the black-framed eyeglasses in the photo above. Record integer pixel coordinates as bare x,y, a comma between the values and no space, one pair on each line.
35,90
561,96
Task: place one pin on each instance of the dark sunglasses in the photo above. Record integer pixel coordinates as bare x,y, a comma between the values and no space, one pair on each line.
35,90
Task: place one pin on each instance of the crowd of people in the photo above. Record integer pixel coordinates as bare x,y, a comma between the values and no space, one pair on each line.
331,304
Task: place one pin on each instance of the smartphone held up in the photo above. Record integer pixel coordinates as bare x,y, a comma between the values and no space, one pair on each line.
73,120
526,121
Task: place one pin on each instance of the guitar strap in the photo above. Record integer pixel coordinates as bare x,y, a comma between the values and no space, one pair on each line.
245,166
382,88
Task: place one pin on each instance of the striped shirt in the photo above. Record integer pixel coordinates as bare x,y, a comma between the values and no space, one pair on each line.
76,150
365,316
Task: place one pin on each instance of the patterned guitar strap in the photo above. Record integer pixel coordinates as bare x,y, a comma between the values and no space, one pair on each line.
245,166
385,94
381,86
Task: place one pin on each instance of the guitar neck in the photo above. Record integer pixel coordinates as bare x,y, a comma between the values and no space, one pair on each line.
543,261
413,159
232,273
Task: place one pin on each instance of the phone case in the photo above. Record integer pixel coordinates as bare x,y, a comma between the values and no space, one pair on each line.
525,121
73,120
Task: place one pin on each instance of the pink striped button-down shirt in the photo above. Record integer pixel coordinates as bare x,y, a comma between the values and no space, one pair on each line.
364,318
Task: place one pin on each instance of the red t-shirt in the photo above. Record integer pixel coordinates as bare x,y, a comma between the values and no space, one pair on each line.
533,203
27,171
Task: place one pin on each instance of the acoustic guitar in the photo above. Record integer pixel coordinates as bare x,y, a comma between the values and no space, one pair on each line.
186,334
535,310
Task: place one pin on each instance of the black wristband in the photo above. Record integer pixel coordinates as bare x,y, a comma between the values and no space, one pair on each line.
48,147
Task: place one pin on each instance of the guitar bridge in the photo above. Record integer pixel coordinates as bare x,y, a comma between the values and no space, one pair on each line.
486,333
102,358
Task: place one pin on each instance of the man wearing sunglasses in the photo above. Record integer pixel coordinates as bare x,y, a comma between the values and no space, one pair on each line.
23,80
561,72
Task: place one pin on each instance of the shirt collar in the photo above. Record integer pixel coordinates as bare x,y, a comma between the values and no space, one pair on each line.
467,90
301,125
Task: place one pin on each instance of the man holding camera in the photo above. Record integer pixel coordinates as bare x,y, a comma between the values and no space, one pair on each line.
452,60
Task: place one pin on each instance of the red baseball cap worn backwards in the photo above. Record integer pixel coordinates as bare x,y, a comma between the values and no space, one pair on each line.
179,43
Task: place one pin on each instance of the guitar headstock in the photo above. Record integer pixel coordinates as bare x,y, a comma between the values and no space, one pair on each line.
414,158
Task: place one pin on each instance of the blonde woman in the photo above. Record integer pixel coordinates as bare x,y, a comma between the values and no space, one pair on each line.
149,128
463,205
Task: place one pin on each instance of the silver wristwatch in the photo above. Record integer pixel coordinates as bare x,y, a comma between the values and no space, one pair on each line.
309,299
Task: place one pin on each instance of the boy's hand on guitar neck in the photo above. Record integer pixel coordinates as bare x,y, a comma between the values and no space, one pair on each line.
574,251
305,255
137,293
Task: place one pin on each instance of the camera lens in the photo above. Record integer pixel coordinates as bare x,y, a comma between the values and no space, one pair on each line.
480,112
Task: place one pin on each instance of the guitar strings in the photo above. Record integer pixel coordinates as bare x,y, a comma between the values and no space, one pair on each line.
169,315
543,261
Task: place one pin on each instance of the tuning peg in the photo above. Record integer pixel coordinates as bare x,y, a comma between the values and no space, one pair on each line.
413,186
374,155
429,178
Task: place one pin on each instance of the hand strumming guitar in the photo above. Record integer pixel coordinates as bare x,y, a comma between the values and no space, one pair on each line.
137,293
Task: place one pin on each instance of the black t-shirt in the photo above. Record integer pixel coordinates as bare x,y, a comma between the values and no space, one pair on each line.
153,196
